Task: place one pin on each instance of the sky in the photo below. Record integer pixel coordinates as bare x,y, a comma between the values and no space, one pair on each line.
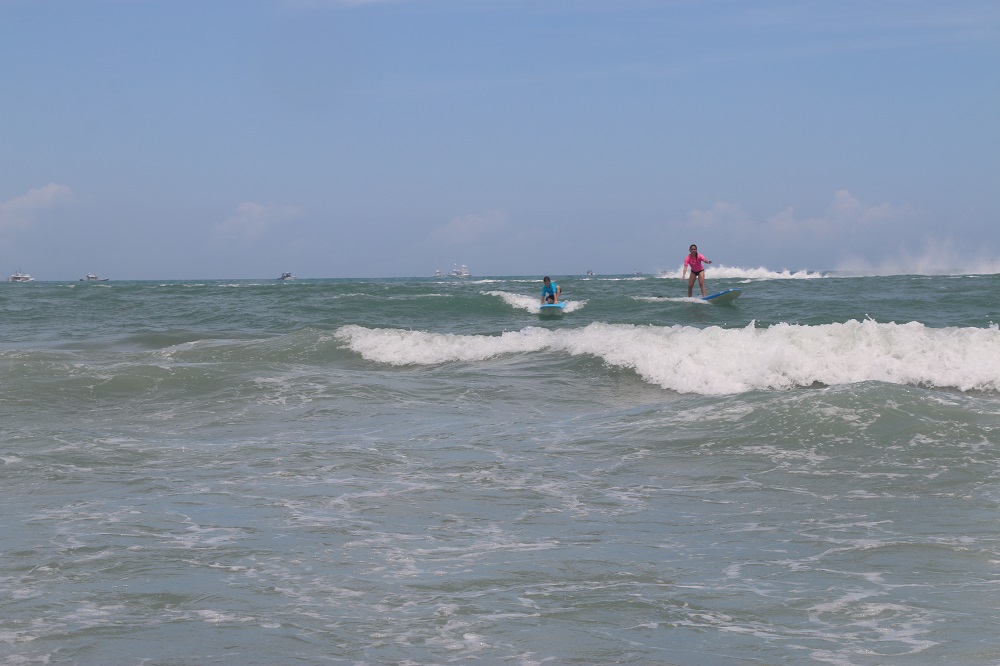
214,139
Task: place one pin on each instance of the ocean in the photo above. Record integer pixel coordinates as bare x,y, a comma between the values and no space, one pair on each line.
427,471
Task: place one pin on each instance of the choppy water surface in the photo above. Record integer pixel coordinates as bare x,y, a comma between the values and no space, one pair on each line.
428,471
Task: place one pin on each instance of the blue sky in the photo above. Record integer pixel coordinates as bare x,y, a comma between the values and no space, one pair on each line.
165,139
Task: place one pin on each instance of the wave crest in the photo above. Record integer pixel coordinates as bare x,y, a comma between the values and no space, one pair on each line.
719,361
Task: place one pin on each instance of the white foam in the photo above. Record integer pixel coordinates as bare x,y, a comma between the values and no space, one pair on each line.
517,301
937,257
736,272
668,299
715,361
222,617
530,303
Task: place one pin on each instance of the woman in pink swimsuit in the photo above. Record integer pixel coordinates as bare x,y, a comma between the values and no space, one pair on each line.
694,262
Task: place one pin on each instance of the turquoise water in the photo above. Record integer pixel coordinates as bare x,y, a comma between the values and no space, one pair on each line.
427,471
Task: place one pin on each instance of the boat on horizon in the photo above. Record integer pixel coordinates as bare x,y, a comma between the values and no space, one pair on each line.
91,277
460,271
18,276
286,276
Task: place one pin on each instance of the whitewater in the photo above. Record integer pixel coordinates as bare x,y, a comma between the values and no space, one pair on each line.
430,471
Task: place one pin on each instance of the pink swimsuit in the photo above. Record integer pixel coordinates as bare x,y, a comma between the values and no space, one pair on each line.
695,264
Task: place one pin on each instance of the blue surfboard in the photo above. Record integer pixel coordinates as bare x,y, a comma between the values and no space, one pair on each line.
727,296
552,308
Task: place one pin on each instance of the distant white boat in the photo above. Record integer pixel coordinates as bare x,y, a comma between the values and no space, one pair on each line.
460,271
93,278
18,276
287,276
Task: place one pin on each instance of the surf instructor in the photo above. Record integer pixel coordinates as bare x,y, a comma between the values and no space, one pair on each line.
550,291
694,261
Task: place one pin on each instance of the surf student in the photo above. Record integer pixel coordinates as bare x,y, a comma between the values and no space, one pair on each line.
550,290
694,261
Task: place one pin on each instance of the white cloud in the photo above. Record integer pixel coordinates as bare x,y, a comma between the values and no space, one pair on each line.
845,209
782,222
252,220
845,215
721,214
471,228
22,211
786,222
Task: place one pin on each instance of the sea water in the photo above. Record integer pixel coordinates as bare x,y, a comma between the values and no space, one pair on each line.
427,471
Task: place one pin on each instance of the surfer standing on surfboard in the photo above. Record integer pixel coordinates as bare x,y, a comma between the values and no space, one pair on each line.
694,261
550,290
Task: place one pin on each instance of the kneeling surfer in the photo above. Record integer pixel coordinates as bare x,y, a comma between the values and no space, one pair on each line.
550,291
